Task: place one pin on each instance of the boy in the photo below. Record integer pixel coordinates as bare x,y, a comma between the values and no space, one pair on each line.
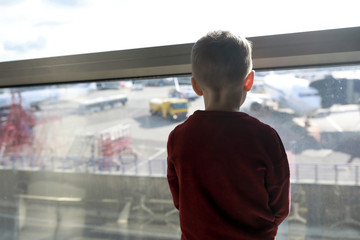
228,172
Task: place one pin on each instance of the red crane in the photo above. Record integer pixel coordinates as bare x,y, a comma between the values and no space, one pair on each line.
16,130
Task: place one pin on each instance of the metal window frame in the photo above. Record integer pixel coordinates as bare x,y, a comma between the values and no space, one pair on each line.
306,49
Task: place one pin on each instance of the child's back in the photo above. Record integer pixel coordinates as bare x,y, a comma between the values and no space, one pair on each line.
228,174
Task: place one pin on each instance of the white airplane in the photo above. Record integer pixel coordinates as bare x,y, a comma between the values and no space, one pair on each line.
186,92
32,97
295,93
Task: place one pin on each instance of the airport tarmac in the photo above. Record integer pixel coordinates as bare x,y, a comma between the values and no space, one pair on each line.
332,138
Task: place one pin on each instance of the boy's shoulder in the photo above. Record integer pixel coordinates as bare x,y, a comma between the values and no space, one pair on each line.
203,119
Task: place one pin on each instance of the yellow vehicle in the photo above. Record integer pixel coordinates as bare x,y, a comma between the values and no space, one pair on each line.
169,108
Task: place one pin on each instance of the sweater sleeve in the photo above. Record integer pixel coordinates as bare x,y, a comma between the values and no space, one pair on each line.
278,181
171,173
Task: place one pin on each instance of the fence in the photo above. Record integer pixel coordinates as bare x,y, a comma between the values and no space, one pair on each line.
301,172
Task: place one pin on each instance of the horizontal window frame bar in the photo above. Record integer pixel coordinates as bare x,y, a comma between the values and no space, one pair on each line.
294,50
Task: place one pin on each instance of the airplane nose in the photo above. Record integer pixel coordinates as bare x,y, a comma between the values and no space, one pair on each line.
309,100
315,102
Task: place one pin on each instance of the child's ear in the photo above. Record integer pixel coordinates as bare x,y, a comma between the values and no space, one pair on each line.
196,87
249,81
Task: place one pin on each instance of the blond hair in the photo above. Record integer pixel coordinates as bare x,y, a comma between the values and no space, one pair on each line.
220,59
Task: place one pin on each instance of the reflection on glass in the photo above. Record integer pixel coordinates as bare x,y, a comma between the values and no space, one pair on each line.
88,160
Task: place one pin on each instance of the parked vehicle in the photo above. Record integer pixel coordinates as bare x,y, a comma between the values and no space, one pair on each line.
169,108
137,87
102,103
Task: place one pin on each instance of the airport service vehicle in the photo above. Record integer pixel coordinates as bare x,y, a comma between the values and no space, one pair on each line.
113,143
102,103
106,148
169,108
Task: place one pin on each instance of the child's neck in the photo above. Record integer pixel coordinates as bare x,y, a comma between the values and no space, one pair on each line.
229,101
222,109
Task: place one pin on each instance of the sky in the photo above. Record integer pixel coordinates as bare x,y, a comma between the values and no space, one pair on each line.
45,28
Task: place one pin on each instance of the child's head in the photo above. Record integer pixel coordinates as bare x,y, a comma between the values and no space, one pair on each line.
221,59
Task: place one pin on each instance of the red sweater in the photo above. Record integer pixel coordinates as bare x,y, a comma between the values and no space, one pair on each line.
229,177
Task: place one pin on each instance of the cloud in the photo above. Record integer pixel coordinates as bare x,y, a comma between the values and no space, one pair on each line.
9,2
48,24
64,3
36,44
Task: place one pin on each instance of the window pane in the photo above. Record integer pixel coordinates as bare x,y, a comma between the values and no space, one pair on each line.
88,160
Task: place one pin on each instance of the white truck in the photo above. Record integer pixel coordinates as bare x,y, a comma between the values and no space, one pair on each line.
102,103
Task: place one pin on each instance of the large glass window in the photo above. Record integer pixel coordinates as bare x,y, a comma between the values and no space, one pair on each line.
46,28
88,160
